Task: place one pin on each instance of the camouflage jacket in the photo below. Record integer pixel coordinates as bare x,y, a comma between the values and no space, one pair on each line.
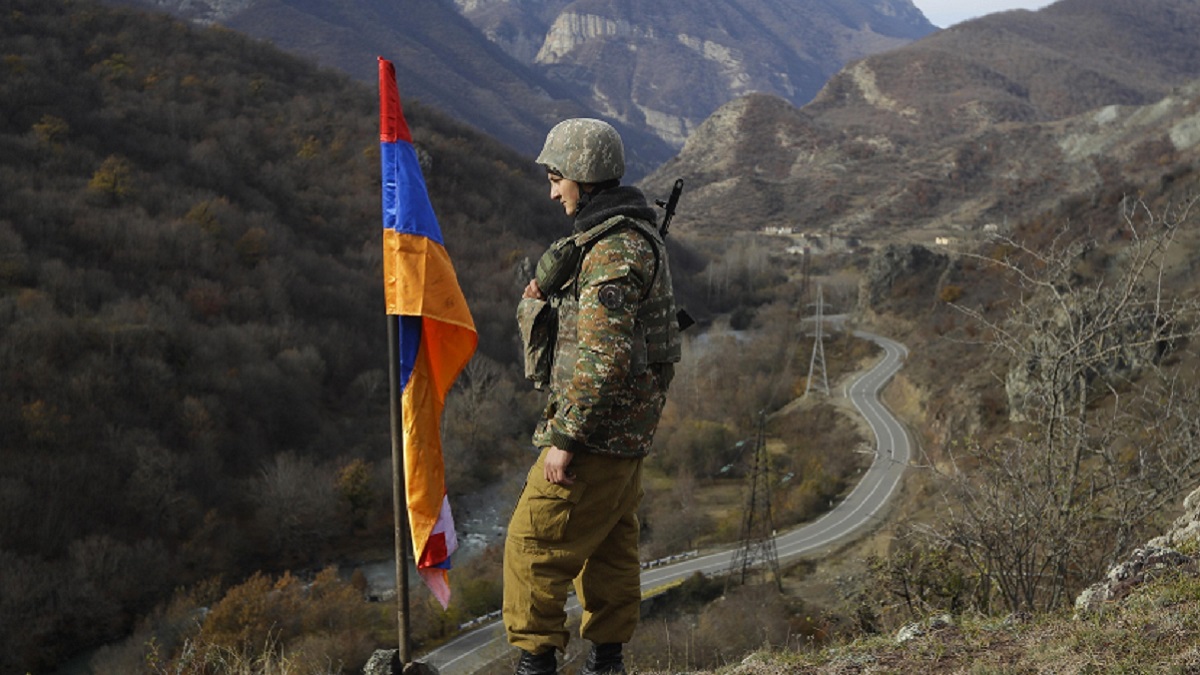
616,337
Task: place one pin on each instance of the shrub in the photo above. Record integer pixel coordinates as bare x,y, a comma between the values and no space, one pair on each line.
326,621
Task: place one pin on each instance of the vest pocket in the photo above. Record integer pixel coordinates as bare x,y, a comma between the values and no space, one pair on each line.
537,320
638,351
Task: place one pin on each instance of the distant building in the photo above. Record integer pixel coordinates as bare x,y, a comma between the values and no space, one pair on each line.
777,230
945,241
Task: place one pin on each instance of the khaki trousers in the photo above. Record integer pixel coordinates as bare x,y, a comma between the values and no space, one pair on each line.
586,533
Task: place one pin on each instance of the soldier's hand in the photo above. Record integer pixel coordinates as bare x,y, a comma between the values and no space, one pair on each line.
532,290
555,467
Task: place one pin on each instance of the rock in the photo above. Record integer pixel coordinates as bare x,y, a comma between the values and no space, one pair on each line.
896,263
1144,565
909,632
916,630
1187,526
1158,557
1122,349
941,621
384,662
1017,618
381,662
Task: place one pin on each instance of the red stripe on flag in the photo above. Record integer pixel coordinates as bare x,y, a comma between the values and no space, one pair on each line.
435,551
392,125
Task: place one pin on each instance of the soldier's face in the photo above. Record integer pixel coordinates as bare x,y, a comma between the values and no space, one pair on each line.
565,192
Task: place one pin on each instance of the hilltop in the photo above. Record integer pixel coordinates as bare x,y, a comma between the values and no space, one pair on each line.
990,122
1141,619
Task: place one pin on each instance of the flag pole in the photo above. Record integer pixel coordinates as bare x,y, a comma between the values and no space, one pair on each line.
430,321
399,493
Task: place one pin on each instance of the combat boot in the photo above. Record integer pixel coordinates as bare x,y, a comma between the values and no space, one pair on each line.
545,663
604,659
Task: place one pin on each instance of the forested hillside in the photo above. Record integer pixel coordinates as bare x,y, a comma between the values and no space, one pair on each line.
192,372
444,61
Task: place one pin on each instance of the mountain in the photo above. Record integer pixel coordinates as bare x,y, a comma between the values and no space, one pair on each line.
992,120
549,60
667,66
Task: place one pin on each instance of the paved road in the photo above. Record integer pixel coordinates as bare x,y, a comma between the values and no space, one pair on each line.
476,649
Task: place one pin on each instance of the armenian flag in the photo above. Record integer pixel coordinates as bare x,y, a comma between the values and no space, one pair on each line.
437,334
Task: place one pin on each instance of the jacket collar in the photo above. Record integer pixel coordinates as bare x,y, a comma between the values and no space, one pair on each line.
623,200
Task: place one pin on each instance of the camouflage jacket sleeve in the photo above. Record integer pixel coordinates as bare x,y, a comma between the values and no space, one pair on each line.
612,280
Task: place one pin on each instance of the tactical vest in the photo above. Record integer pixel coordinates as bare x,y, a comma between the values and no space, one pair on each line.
656,330
655,326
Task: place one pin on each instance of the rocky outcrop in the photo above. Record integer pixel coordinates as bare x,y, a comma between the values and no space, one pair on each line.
910,264
1187,526
572,30
1157,559
667,66
1061,365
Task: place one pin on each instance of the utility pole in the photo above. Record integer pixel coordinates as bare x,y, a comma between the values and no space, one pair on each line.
758,528
805,274
818,355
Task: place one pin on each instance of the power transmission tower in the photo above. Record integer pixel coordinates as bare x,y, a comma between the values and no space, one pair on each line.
758,528
805,274
818,355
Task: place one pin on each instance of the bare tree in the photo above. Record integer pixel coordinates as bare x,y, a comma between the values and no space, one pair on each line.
1104,431
297,505
485,420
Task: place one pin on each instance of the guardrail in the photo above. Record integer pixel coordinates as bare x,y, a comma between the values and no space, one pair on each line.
651,564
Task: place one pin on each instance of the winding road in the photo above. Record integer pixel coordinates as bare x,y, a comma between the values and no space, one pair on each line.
473,650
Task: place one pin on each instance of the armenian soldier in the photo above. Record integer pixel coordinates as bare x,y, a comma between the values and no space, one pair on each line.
603,308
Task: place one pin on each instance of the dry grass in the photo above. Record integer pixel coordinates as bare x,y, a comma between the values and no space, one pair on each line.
1155,630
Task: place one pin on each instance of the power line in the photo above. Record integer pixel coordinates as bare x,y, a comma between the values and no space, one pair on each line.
758,528
818,355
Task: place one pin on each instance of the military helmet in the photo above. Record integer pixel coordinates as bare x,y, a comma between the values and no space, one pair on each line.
584,150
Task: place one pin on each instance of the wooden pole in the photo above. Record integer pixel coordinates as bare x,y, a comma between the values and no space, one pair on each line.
399,492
